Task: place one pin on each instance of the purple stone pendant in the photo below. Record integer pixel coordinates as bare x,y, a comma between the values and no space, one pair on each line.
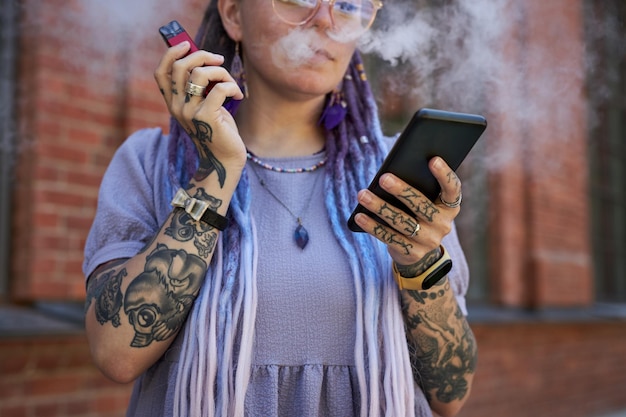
301,236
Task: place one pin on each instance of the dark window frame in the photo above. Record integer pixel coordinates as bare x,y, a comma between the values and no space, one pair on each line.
606,88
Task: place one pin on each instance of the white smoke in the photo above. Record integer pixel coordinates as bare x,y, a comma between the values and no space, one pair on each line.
296,47
463,55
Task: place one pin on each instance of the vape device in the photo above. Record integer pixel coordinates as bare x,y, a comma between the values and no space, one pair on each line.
173,34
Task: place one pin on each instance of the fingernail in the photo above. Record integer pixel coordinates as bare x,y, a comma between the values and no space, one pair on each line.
387,180
364,197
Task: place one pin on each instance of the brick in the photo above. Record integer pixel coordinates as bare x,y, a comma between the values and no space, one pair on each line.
10,389
53,384
13,363
14,410
48,409
46,220
62,153
78,407
60,198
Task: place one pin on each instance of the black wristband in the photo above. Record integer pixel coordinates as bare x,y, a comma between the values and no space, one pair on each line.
214,219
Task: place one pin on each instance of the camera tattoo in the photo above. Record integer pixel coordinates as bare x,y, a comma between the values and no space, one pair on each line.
184,228
202,136
157,301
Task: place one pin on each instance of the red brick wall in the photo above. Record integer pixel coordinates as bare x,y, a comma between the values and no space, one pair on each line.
54,377
83,88
549,369
539,214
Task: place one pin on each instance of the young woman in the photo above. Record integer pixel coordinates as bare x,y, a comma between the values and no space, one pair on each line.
222,277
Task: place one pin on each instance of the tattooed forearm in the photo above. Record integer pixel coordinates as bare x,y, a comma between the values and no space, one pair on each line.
202,136
441,345
157,301
409,271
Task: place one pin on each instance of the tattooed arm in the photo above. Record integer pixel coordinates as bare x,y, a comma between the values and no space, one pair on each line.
135,307
441,344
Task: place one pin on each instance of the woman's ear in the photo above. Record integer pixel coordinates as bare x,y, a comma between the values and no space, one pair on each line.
231,19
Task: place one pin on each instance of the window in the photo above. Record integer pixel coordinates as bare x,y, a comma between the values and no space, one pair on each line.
606,88
7,136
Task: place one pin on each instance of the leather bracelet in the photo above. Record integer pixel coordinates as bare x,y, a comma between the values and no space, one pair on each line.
199,210
213,218
427,278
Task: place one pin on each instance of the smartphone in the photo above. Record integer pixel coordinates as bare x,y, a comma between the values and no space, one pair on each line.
429,133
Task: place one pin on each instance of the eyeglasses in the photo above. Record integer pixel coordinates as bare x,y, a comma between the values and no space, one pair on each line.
350,18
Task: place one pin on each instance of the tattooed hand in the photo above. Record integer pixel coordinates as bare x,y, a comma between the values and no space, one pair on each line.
411,236
208,123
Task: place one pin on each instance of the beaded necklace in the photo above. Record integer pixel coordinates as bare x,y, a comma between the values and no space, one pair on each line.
286,170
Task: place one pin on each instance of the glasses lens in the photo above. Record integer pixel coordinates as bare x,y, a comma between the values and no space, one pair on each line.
295,12
351,17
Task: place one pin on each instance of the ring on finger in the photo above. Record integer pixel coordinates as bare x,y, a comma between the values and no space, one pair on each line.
454,204
194,89
417,229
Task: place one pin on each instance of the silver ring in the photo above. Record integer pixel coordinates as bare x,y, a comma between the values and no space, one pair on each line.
194,89
454,204
417,229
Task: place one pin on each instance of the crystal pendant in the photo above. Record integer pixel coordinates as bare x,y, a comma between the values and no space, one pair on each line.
301,236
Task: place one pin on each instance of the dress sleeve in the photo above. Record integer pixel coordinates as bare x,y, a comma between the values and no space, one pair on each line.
126,216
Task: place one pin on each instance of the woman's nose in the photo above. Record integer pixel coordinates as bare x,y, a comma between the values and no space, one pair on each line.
323,17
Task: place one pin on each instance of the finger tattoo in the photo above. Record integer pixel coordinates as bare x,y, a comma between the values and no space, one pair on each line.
452,178
391,238
397,218
418,203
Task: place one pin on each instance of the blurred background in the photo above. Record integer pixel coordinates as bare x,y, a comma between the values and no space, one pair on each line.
544,211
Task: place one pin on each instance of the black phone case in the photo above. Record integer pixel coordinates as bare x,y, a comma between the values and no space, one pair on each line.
429,133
